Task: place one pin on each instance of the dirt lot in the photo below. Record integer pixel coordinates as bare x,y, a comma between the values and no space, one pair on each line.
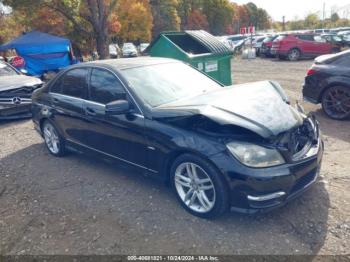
79,205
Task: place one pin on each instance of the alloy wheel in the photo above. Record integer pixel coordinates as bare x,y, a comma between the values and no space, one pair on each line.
336,102
195,187
294,55
51,138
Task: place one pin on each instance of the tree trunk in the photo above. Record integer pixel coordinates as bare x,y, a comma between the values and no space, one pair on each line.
102,45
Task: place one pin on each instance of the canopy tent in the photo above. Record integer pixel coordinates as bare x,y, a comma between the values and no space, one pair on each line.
42,52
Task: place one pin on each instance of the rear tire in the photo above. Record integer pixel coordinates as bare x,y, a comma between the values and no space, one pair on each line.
294,54
53,140
336,102
199,187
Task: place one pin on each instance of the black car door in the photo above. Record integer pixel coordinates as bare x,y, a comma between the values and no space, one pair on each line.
120,136
66,96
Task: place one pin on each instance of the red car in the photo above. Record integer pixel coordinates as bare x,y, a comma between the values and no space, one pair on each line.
295,46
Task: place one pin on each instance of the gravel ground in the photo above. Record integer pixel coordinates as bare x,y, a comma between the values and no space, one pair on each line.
80,205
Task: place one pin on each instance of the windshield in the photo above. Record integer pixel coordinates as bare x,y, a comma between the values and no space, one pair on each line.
269,39
6,70
165,83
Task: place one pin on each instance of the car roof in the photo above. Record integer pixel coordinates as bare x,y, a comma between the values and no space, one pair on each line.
126,63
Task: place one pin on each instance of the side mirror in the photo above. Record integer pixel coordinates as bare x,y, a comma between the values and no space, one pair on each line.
118,107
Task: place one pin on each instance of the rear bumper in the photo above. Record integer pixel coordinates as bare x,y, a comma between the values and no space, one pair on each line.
312,90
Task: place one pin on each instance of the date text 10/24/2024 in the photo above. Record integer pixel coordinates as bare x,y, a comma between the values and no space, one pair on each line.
172,258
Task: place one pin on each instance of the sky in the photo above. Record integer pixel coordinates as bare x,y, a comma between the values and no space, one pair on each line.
292,9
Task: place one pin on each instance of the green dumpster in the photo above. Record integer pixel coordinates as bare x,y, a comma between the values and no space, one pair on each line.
198,48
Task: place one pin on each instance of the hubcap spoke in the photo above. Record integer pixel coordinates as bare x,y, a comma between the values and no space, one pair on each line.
202,198
182,180
51,138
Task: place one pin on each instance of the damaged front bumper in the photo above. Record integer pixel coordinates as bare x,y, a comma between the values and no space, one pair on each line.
263,189
15,109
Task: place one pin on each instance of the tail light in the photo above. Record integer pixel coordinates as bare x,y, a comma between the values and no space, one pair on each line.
310,72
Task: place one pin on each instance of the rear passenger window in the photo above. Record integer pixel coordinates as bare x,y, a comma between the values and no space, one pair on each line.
306,37
73,83
105,87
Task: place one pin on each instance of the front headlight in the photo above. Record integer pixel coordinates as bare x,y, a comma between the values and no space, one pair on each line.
254,155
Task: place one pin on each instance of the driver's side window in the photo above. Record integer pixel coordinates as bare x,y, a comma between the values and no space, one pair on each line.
105,87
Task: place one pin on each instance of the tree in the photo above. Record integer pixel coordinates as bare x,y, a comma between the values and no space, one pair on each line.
165,16
136,20
196,21
219,14
311,21
89,17
263,19
252,14
335,17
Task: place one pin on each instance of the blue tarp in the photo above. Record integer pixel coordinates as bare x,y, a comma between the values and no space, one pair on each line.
42,52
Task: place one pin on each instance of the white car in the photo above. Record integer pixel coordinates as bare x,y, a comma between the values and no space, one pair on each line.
113,50
129,50
143,47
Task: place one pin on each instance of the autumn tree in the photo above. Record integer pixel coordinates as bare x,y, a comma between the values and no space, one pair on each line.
165,16
219,14
89,17
197,21
136,20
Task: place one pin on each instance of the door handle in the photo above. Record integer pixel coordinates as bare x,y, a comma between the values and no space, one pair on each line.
89,111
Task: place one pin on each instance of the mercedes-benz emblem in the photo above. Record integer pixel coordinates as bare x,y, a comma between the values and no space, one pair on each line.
16,100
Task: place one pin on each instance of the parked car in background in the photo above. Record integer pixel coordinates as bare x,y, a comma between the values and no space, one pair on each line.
328,83
129,50
334,39
142,48
257,44
236,38
295,46
114,50
266,46
242,146
345,36
321,31
15,92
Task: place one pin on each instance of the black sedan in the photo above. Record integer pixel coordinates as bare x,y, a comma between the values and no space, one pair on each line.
328,82
243,146
15,92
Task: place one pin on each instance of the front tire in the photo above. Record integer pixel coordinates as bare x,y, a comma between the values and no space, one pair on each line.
53,140
336,102
199,187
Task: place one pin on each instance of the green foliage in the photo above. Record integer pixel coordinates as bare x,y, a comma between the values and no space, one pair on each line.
165,16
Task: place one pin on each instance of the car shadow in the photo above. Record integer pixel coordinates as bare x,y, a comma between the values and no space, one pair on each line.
83,185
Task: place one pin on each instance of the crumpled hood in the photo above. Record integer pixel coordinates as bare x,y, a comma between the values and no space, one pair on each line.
260,107
17,81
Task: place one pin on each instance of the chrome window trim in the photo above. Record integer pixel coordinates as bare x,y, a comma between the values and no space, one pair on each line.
125,87
89,101
118,158
104,68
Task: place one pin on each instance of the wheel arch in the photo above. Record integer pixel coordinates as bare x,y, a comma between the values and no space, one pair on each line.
336,83
165,171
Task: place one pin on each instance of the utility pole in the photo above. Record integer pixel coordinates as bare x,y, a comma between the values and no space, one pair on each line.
324,8
283,23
